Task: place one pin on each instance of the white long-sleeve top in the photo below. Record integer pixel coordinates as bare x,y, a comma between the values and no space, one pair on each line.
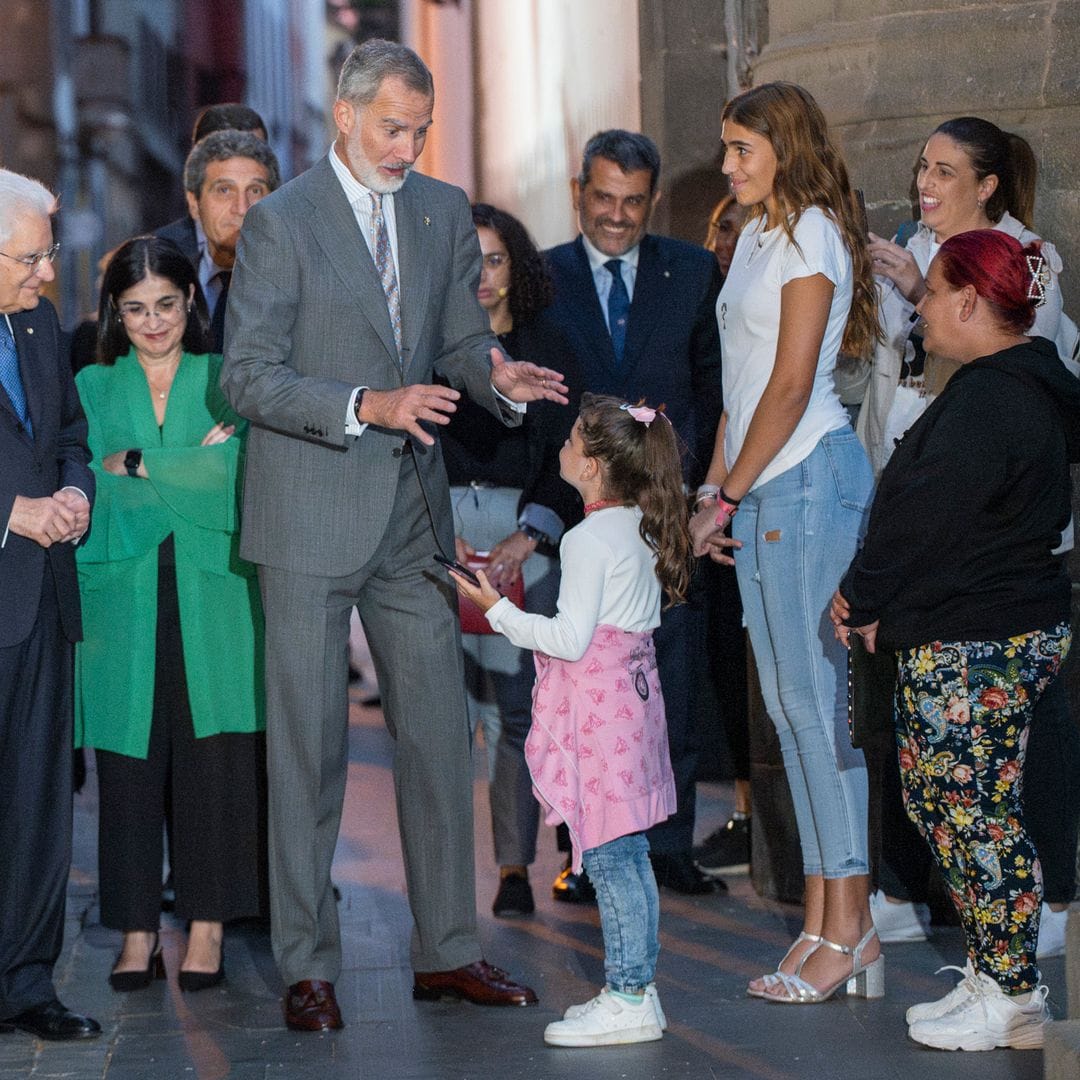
608,577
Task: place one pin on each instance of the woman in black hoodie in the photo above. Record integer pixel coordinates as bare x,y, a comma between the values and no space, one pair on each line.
956,574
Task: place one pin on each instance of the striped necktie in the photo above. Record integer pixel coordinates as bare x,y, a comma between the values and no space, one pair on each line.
10,378
384,266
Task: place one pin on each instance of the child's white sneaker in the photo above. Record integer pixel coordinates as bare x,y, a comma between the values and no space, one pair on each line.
607,1020
650,992
986,1019
1052,926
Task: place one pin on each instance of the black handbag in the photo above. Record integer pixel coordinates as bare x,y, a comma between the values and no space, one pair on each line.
871,693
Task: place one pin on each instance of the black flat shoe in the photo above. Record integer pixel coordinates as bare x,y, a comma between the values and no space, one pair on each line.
679,873
124,982
515,897
53,1021
192,982
571,888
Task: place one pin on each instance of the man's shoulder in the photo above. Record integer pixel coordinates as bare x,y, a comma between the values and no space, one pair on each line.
670,250
177,231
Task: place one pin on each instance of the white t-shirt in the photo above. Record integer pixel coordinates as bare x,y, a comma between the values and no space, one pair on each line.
608,577
748,312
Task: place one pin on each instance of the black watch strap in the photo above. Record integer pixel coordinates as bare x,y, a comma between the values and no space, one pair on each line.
534,533
132,461
357,402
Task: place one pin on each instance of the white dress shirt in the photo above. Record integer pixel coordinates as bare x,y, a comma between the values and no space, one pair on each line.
601,275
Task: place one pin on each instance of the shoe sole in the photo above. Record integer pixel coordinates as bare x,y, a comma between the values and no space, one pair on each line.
902,937
649,1033
718,871
1028,1038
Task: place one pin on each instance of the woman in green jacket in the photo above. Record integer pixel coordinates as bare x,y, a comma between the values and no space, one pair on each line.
169,675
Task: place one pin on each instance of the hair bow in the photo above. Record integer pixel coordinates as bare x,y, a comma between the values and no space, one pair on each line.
641,413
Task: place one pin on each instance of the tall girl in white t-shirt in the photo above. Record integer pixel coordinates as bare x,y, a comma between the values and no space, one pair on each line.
597,749
793,481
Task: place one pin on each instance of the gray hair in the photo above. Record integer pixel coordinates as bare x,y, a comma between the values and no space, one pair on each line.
222,145
20,195
368,64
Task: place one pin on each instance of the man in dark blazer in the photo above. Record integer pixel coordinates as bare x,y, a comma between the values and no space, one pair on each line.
45,491
187,232
639,312
353,284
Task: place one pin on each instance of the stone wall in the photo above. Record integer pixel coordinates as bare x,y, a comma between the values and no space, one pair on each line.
886,72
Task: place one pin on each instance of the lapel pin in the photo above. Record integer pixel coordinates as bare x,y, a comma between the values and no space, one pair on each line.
29,329
427,220
667,273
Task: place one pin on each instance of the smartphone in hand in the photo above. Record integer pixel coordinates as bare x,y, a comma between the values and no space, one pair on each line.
452,564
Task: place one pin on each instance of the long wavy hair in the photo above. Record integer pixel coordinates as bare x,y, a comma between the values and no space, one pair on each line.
531,289
811,172
642,465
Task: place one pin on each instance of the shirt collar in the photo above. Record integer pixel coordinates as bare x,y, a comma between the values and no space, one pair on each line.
597,258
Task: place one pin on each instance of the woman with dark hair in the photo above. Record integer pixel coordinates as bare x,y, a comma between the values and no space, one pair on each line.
168,676
509,501
957,575
789,476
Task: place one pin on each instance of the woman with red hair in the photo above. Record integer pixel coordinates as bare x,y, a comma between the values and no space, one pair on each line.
957,576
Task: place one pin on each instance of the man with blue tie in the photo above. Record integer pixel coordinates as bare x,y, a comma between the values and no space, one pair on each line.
639,312
45,491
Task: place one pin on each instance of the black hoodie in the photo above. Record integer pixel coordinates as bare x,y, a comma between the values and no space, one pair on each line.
970,506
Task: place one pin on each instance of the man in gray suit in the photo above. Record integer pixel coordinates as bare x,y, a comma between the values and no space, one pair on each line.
353,285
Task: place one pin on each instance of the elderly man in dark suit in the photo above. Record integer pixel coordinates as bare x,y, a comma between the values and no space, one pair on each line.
639,312
353,285
45,488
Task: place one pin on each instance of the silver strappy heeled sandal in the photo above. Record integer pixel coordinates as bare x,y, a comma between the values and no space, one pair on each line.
773,977
864,980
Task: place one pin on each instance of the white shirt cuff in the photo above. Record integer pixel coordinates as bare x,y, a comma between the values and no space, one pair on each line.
352,425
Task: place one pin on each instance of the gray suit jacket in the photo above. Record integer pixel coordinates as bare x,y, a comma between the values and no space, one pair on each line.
307,322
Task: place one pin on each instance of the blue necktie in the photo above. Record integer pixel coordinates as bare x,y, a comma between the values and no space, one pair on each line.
10,378
618,308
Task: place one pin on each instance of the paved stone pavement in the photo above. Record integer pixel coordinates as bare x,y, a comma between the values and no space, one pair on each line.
711,946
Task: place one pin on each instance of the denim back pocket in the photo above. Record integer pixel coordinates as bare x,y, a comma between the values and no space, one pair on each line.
850,469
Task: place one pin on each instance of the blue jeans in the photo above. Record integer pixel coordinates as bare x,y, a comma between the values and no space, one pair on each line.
629,910
799,533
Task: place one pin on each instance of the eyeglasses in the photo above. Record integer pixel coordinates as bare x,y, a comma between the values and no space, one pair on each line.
168,309
34,259
495,260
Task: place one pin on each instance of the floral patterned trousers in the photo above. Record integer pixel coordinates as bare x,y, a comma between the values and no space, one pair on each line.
963,711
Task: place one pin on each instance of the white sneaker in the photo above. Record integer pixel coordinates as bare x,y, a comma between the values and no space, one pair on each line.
897,923
650,992
1052,926
606,1021
987,1019
930,1010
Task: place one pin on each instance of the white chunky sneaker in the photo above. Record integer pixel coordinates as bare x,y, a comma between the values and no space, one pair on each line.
1051,932
607,1020
650,992
897,923
928,1010
987,1019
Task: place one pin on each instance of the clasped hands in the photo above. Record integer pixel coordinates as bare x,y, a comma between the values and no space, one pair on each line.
839,612
405,409
707,534
54,519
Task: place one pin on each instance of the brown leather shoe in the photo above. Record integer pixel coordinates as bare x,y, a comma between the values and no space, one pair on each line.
310,1005
479,983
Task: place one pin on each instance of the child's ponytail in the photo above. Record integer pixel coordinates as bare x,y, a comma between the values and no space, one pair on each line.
640,453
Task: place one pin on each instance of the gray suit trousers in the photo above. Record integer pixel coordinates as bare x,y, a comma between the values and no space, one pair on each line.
407,609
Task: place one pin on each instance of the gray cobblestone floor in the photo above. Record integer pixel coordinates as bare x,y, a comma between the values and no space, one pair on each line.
711,946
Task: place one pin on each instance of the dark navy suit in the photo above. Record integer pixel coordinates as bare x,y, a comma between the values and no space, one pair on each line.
672,355
39,621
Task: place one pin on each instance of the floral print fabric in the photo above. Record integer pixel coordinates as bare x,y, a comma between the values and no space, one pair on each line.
963,712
